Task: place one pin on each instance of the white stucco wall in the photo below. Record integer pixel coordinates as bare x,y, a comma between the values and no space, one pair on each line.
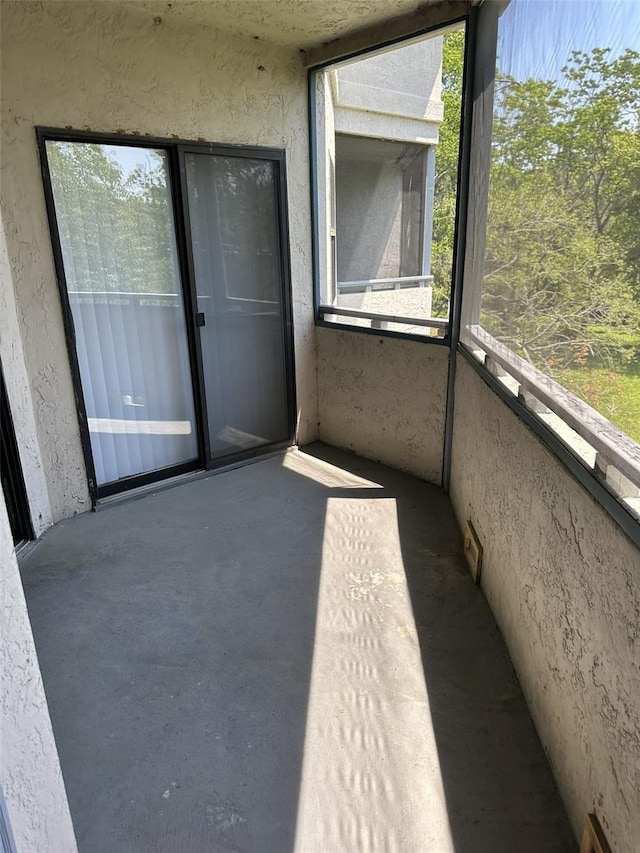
564,585
109,66
30,776
383,398
394,94
412,70
19,393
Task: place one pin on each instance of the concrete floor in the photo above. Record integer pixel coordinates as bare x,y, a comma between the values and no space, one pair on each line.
286,657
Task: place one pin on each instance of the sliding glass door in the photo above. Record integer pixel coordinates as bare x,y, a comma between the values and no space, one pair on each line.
174,284
237,265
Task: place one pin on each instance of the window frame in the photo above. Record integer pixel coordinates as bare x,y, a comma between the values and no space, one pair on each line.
320,308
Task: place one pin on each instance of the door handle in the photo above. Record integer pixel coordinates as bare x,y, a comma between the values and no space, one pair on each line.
200,319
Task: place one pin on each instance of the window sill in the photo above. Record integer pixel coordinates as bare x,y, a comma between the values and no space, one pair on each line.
432,330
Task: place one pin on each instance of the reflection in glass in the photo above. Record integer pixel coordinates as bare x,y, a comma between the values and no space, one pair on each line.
115,221
234,230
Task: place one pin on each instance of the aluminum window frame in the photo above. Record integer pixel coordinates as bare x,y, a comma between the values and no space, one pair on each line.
320,308
175,150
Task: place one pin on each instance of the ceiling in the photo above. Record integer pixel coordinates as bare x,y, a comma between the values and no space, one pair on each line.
291,23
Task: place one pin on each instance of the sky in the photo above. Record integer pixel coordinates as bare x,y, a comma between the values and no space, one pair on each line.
129,157
548,30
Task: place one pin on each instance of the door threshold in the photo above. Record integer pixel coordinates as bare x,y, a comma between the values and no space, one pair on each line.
181,479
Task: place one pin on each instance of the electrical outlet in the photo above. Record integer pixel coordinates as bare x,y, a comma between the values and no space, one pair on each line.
473,551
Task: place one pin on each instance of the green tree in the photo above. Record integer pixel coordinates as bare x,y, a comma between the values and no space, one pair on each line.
563,253
445,190
115,226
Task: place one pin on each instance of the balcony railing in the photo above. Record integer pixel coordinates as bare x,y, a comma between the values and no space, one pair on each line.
610,454
379,314
370,285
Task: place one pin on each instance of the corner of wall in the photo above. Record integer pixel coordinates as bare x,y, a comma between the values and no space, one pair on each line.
30,775
19,392
383,398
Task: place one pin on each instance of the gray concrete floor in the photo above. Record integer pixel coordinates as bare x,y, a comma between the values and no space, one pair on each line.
286,657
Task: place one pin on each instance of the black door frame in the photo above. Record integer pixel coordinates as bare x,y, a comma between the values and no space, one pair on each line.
14,489
175,150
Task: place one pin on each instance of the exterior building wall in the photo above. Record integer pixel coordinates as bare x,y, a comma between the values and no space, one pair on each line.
384,399
30,775
386,110
408,302
392,95
381,208
113,67
564,585
369,218
326,184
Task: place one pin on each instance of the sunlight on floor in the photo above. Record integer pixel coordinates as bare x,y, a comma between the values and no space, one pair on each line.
371,777
324,473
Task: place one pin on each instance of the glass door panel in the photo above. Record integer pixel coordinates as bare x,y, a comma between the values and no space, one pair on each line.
116,227
233,212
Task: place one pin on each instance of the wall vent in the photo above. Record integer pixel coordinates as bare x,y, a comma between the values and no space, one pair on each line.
593,838
473,551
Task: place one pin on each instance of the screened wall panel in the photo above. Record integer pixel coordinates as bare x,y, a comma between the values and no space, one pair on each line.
551,302
558,278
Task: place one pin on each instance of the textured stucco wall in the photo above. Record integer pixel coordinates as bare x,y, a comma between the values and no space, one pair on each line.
369,199
394,94
109,66
413,69
19,393
564,585
383,398
30,776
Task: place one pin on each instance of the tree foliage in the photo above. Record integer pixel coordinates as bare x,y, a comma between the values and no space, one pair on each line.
115,224
561,281
562,264
445,191
115,220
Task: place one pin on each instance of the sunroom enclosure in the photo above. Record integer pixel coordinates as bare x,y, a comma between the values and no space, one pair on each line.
561,568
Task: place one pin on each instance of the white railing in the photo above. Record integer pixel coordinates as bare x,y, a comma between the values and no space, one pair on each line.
371,285
613,457
156,299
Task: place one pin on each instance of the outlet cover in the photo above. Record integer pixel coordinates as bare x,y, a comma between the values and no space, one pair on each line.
473,552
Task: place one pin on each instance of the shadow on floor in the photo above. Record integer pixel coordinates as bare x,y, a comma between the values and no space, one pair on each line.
498,786
176,639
